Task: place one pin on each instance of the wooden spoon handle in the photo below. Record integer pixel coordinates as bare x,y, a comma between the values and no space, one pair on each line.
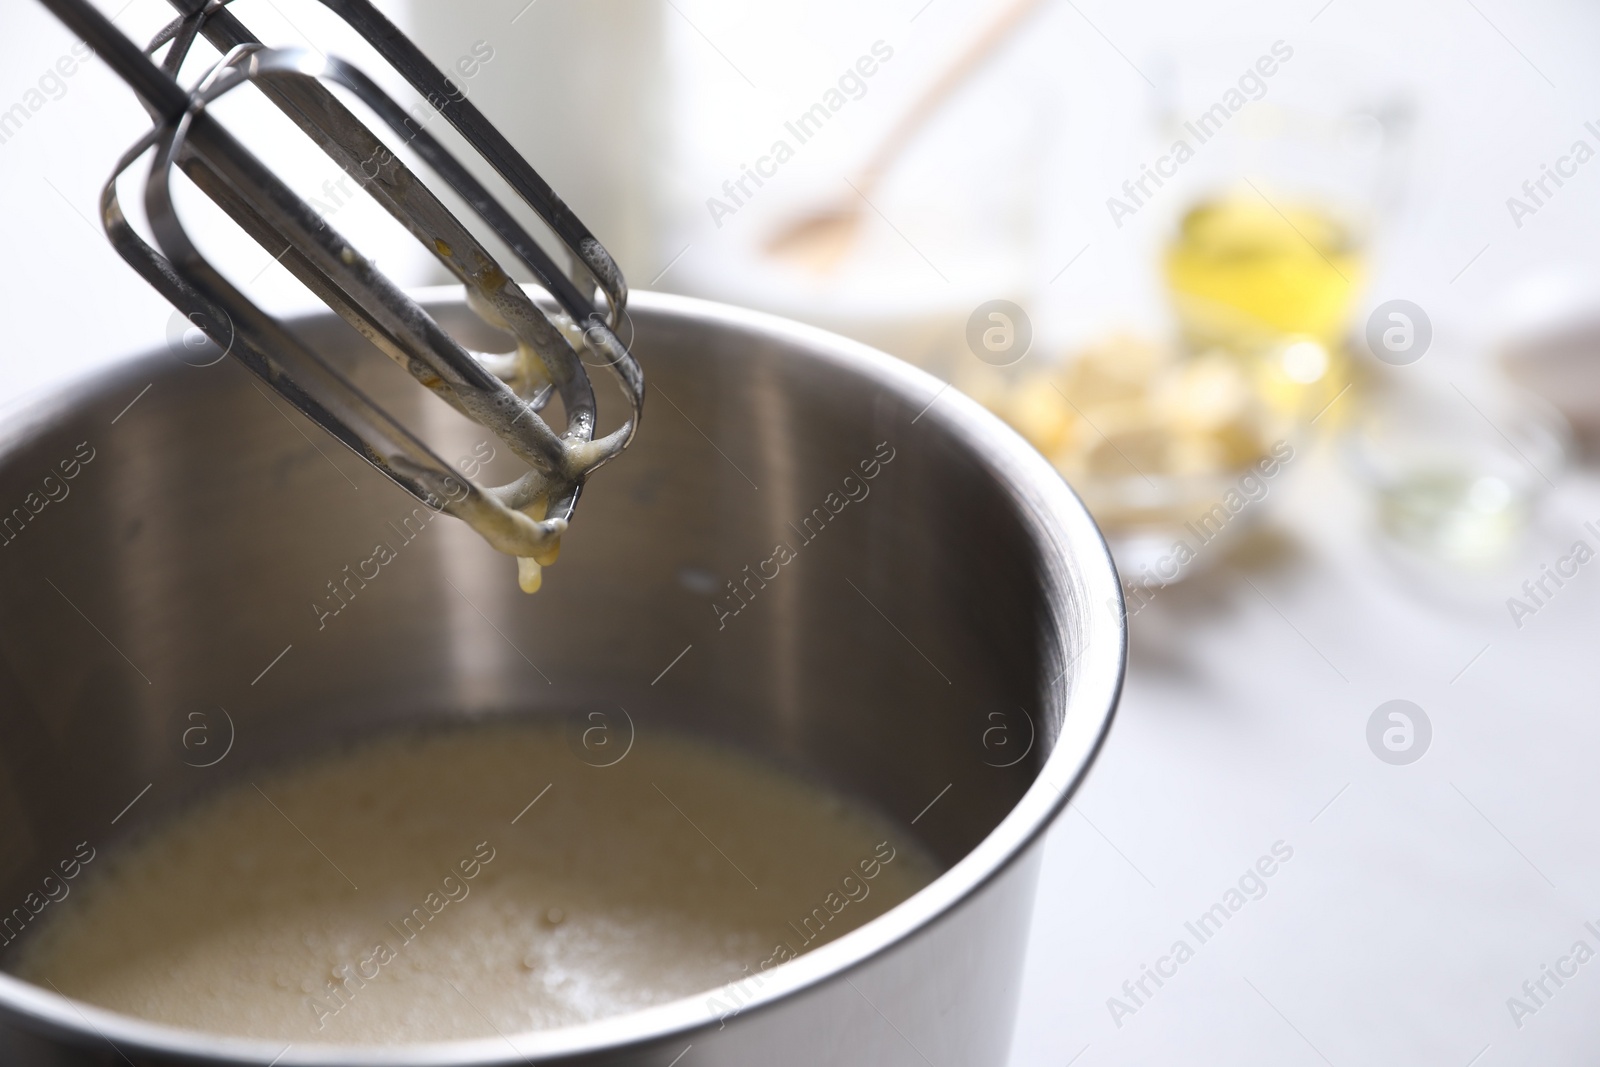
934,97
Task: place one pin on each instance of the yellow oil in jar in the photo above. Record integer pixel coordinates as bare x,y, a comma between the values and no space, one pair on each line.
1242,271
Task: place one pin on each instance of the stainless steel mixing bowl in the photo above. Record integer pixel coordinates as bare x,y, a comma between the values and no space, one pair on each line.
947,644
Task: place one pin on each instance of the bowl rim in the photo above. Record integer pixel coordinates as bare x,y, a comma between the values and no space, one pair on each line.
1075,555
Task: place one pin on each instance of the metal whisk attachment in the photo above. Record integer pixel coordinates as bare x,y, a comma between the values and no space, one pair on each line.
504,393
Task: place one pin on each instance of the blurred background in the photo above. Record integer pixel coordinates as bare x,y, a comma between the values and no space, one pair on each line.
1302,298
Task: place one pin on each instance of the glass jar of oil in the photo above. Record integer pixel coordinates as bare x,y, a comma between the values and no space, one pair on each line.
1271,282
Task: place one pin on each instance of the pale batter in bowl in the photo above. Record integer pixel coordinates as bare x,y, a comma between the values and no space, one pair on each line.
409,891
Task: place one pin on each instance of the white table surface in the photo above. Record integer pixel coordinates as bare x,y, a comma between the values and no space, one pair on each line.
1419,898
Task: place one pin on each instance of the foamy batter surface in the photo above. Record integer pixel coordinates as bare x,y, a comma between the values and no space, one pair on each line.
385,895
